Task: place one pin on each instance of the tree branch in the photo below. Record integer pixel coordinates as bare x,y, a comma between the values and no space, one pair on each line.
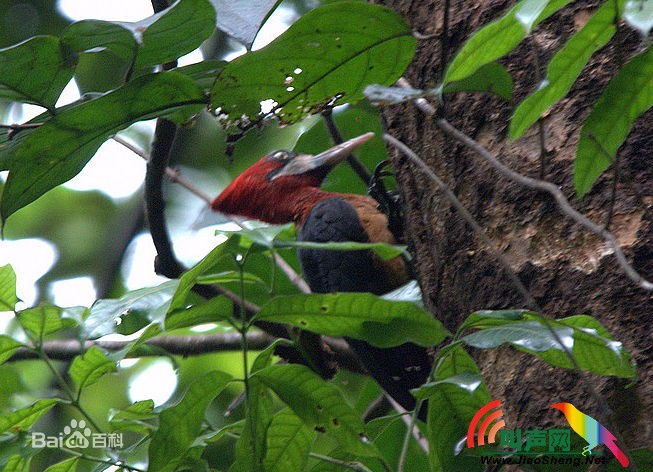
535,184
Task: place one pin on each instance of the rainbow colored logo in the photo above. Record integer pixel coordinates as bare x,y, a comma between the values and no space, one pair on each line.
489,419
488,423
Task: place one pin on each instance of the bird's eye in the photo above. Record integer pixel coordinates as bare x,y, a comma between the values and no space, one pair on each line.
282,155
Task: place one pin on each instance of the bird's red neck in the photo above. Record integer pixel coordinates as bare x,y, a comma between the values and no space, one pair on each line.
286,201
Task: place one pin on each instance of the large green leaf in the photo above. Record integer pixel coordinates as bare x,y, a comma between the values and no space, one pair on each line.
88,368
69,465
455,395
87,35
380,322
149,304
490,78
175,31
26,417
627,96
58,150
566,66
180,424
35,71
8,298
43,320
289,441
319,404
135,417
327,57
7,347
500,37
589,342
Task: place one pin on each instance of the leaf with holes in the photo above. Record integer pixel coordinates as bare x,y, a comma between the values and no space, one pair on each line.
326,58
319,404
627,96
380,322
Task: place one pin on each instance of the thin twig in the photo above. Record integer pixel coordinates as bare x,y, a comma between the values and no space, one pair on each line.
460,208
336,136
176,177
535,184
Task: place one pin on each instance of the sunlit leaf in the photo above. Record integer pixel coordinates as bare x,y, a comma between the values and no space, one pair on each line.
242,19
69,465
326,58
8,298
88,368
35,71
566,66
455,395
380,322
149,304
134,418
175,31
491,78
25,417
497,39
43,320
289,441
8,347
58,150
627,96
180,424
319,404
211,311
17,463
589,343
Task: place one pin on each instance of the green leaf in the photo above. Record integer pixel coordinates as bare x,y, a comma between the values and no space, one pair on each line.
566,66
35,71
383,250
639,15
487,318
203,73
211,311
500,37
455,395
321,60
147,304
180,424
388,433
627,96
43,320
319,404
59,149
134,418
69,465
242,19
23,418
7,347
175,31
380,322
88,368
8,298
251,446
87,35
17,463
490,78
288,442
589,343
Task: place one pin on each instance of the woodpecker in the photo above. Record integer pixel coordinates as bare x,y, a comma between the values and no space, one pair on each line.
284,187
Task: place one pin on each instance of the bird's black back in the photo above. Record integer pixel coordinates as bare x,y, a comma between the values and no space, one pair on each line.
397,369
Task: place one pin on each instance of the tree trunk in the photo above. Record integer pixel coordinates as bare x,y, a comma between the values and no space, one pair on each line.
567,269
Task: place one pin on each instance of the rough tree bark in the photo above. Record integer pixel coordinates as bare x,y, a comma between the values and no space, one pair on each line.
565,268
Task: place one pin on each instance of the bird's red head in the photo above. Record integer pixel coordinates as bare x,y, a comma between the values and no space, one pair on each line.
283,186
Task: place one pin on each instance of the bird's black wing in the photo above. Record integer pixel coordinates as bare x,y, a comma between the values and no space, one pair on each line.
397,369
